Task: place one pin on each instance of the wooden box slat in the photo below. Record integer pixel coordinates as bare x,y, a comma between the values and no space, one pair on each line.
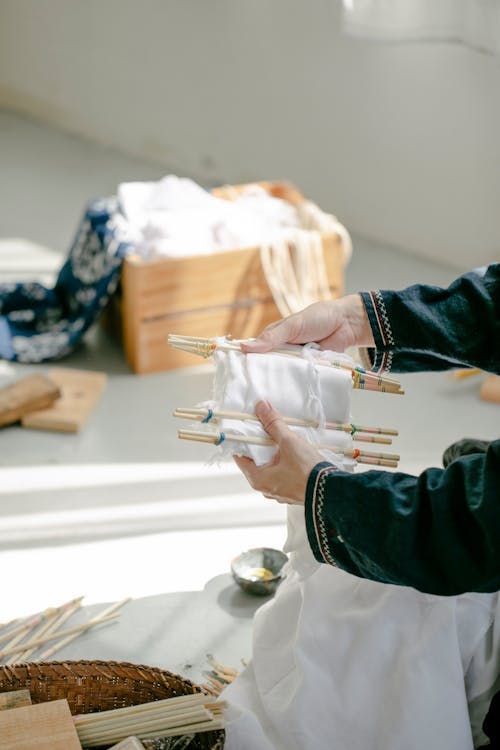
166,286
149,351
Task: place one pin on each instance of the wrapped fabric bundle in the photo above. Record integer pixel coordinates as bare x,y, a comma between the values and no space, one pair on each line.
296,384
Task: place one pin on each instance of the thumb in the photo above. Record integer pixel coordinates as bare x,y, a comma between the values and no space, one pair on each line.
272,421
273,336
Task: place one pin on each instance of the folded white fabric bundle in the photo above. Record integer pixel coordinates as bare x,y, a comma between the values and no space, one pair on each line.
295,384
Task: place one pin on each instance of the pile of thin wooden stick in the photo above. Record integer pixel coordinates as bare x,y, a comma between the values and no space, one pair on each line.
20,639
184,714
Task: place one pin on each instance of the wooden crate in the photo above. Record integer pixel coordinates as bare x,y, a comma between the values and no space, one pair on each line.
204,295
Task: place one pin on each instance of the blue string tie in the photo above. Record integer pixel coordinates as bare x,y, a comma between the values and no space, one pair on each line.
221,439
208,417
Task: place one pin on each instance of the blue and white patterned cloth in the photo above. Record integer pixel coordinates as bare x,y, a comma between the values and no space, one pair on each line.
39,323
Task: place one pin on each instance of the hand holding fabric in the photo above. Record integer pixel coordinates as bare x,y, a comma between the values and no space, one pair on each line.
285,477
334,325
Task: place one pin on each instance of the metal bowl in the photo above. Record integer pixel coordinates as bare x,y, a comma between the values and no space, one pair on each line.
258,571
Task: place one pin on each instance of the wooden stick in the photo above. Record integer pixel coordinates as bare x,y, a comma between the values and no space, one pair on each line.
134,726
36,620
344,427
219,667
371,439
362,379
64,642
201,414
46,620
50,627
205,726
168,717
19,637
217,437
46,624
206,347
46,638
164,707
196,723
363,428
6,625
378,462
178,700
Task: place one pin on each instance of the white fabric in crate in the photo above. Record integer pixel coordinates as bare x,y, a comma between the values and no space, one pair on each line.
339,662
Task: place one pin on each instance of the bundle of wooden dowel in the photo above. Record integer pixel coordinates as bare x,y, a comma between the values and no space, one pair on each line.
364,457
361,379
220,676
215,437
22,639
182,715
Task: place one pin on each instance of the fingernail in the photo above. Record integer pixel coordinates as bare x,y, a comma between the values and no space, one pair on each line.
262,407
253,346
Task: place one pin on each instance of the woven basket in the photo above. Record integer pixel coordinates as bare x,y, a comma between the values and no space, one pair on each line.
91,686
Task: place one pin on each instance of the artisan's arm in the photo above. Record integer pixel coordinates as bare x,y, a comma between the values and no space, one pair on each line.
428,328
439,532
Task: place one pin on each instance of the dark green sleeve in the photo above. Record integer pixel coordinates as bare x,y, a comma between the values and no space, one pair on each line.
428,328
439,532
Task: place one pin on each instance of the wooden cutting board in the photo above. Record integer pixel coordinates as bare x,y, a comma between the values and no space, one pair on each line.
44,726
80,391
18,399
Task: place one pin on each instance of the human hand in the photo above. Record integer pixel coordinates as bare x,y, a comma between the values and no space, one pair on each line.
334,324
285,477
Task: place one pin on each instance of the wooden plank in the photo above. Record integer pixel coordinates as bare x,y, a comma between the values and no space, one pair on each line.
490,390
15,699
151,352
165,286
44,726
28,394
80,391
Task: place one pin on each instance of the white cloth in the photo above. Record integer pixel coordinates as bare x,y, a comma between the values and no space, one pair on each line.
340,662
176,217
295,385
349,664
482,676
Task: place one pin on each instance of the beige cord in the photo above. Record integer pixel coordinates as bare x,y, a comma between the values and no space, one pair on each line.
312,217
294,266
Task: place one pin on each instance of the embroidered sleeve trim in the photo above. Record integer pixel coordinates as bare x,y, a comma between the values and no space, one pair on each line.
323,534
381,329
383,318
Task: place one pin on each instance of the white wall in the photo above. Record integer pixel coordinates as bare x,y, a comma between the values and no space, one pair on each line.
401,141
